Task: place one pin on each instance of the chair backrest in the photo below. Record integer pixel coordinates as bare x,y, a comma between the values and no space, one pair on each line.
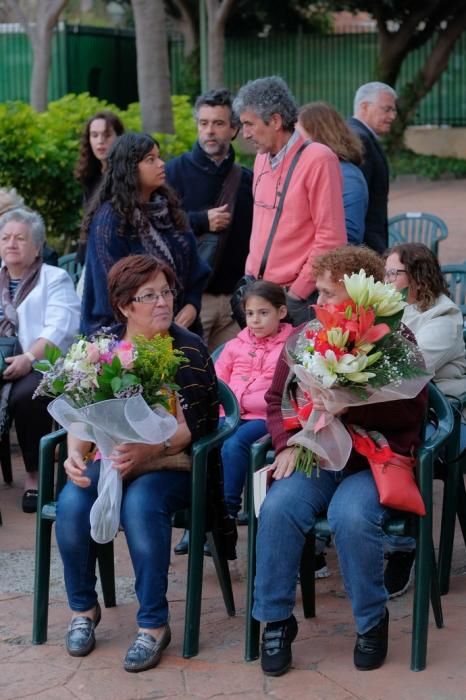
455,276
417,227
216,353
70,263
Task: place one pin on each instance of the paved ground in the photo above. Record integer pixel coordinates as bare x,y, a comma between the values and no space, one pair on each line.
322,664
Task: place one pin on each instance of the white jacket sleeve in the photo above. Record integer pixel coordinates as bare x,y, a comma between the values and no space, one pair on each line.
51,310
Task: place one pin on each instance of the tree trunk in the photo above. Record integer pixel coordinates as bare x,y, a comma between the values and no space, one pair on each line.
40,33
188,26
414,91
217,15
153,65
42,51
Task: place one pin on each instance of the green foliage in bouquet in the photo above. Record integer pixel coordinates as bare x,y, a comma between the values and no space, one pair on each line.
156,365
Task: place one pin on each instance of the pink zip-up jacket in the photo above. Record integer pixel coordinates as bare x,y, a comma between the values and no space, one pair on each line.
247,365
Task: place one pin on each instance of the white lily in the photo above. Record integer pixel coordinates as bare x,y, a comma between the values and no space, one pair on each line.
337,338
328,367
389,302
359,287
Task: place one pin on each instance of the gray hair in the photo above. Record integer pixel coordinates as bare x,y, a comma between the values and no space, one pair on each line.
31,219
369,93
221,97
265,97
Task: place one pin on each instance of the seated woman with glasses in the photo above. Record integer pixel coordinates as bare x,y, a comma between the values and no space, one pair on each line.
156,479
435,320
437,323
135,212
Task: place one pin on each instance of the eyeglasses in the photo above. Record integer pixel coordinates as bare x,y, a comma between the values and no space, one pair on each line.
154,297
265,205
391,275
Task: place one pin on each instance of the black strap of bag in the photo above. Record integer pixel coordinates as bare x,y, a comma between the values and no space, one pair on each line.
278,213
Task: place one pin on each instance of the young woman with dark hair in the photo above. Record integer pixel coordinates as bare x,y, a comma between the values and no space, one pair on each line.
100,132
134,213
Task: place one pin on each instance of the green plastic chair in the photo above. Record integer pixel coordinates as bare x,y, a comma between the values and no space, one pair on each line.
417,227
70,263
426,583
455,276
50,486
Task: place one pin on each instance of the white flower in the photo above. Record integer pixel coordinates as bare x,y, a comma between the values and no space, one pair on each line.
328,367
389,301
337,338
359,287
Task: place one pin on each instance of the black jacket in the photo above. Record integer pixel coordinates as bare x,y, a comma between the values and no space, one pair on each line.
198,181
375,169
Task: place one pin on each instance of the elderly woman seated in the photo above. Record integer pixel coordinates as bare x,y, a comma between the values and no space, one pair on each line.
39,306
141,293
350,497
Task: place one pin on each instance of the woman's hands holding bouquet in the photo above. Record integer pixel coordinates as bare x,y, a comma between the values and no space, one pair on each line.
134,458
285,463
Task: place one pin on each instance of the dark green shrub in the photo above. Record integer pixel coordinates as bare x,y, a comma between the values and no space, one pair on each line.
433,167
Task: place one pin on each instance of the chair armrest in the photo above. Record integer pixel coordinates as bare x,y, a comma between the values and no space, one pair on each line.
47,448
258,452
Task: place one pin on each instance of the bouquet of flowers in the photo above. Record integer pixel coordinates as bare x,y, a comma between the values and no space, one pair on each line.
352,354
111,392
106,368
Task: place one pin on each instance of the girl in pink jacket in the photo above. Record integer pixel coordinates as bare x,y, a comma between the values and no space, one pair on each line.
247,364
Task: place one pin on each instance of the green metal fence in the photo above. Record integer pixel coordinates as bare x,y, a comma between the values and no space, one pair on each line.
103,63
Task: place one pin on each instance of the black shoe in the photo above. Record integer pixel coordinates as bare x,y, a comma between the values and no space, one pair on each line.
183,545
371,648
80,638
146,651
276,646
398,572
29,501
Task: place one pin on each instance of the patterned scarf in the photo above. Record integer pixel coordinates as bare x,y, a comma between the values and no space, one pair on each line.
9,323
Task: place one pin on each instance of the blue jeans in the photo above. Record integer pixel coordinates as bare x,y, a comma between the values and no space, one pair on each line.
356,519
235,459
147,506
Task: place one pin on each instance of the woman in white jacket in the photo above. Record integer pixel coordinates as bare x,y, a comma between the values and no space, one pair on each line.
39,306
437,323
435,320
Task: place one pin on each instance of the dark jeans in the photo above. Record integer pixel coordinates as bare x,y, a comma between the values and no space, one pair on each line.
146,510
32,420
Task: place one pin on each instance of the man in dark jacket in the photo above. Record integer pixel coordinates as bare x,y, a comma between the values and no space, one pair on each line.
374,113
217,195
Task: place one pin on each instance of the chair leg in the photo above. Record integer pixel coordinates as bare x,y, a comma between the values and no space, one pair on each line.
307,576
41,581
447,532
435,591
252,632
422,588
5,457
223,575
106,559
195,568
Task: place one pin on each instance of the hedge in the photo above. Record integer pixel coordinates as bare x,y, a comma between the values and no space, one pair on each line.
38,152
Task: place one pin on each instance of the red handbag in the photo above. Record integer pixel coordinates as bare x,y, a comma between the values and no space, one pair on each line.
393,473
